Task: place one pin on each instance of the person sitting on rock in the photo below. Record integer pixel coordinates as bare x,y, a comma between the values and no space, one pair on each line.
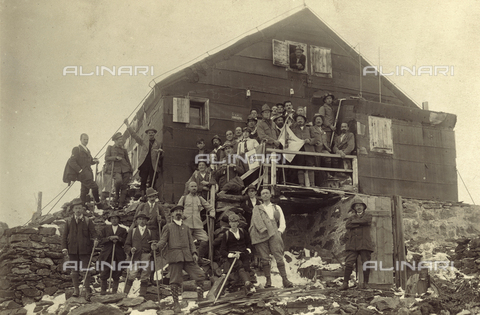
139,245
77,245
236,246
359,242
112,237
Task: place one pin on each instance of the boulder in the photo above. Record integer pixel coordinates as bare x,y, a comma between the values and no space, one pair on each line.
146,306
385,303
96,308
109,298
130,302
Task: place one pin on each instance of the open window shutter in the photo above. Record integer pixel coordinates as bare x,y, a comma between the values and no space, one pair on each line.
380,130
321,61
181,108
280,53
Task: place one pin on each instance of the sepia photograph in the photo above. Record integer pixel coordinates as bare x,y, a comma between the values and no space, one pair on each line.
239,157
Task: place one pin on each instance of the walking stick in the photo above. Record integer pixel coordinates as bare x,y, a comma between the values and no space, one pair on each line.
130,266
155,173
156,276
111,188
111,269
335,124
225,281
88,267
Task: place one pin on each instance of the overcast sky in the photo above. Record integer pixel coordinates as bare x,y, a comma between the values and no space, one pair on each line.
44,112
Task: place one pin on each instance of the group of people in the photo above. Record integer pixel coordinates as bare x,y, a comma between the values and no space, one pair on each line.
117,164
219,167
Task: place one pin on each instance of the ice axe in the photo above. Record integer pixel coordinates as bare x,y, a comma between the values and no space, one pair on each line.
88,266
111,269
155,173
225,281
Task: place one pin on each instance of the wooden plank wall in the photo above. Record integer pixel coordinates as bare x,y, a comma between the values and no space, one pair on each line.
382,236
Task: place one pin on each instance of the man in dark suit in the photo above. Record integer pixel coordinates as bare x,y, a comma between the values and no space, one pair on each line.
112,236
344,144
77,245
79,168
305,178
249,203
297,59
154,211
139,245
150,156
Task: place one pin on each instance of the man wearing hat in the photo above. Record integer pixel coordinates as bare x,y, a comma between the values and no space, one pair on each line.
236,244
112,236
154,211
150,156
139,245
328,115
359,242
217,153
249,203
289,114
246,143
181,255
228,169
79,167
117,160
252,126
266,129
279,122
305,178
77,244
298,59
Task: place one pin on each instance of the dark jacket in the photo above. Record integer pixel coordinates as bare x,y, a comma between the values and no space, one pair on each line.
141,242
78,238
122,166
346,145
153,217
358,233
305,134
247,207
108,244
79,160
145,149
179,243
293,61
266,132
230,244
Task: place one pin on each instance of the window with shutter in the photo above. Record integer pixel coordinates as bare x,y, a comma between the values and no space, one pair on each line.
181,110
284,55
321,59
380,131
280,53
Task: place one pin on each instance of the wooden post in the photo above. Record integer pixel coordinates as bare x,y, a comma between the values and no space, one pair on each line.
39,203
399,250
355,172
273,170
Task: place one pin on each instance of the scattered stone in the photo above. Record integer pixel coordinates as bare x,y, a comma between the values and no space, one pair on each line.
278,311
19,238
385,303
146,306
21,271
31,292
109,298
17,311
9,305
37,309
43,303
96,308
130,302
44,261
50,291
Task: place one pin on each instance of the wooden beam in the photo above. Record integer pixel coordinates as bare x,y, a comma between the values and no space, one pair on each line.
400,241
312,153
313,168
249,172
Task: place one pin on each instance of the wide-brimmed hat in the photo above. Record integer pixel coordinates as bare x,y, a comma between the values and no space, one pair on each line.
151,129
217,137
299,48
233,217
178,207
141,215
151,192
251,187
113,214
300,114
117,136
251,117
315,117
358,200
266,108
327,95
76,201
274,118
228,144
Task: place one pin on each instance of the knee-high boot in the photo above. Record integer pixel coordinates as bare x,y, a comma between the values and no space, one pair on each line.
76,284
266,272
283,273
366,278
200,290
128,286
346,277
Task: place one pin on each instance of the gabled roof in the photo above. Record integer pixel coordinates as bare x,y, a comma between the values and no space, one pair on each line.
304,17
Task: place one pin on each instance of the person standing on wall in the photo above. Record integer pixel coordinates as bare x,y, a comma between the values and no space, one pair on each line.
149,155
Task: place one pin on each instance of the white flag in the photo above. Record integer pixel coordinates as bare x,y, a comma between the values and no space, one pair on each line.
290,142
